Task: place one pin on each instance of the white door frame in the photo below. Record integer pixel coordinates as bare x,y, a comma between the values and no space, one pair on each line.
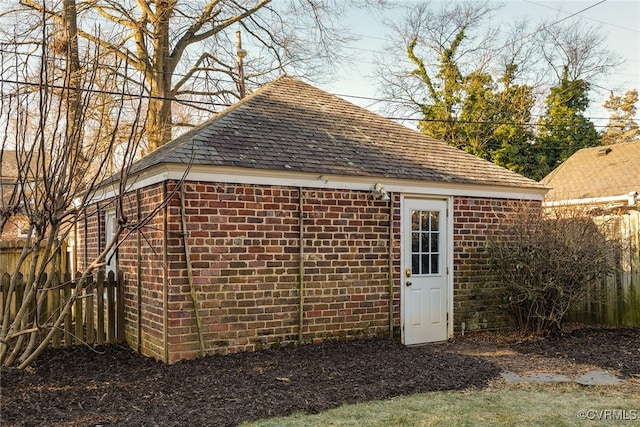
404,261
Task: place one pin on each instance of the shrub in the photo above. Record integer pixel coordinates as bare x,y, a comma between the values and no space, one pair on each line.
547,264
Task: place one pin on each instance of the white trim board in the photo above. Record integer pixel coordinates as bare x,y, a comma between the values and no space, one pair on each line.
630,199
232,175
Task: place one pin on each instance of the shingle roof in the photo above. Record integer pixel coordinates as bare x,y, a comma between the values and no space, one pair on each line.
13,165
289,125
8,166
611,170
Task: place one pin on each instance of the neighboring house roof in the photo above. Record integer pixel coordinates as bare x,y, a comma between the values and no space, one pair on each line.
8,176
8,166
289,125
598,172
14,167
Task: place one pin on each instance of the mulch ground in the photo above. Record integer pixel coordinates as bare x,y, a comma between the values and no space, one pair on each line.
115,386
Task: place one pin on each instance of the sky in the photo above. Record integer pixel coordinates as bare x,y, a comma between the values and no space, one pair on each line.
619,20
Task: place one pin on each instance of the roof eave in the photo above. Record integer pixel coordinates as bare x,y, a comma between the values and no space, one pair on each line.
236,175
631,199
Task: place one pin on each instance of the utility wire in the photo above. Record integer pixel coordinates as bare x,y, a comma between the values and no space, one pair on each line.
107,92
411,119
635,30
510,43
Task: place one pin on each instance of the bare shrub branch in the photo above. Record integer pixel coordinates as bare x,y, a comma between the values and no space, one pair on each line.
549,263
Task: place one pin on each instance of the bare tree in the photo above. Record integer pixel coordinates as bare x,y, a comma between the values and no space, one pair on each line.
183,52
547,262
535,55
427,33
55,165
578,48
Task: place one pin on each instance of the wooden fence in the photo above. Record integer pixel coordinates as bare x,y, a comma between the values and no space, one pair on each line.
96,317
616,300
10,252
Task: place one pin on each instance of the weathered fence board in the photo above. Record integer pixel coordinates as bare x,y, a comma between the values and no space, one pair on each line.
96,315
616,300
11,251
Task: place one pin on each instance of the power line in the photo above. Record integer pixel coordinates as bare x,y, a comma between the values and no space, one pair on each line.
367,98
635,30
545,27
114,93
483,122
510,43
411,119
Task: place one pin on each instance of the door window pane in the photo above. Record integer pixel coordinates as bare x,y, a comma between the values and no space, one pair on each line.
425,242
425,220
434,264
435,217
434,242
415,264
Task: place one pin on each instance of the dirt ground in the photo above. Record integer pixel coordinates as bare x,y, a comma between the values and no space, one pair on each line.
115,386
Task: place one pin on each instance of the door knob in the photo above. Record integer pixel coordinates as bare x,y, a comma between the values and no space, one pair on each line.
408,283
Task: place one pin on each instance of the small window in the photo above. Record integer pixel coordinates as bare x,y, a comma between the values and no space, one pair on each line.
110,226
23,230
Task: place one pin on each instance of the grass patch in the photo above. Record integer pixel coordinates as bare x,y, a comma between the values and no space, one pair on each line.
522,405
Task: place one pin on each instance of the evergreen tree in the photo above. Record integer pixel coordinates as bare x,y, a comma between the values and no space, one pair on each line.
495,117
444,93
563,129
622,126
473,112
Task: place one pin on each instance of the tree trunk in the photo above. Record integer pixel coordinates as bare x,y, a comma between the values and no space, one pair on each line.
158,126
159,118
73,100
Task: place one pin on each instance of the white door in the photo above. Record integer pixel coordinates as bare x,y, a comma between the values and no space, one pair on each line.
424,282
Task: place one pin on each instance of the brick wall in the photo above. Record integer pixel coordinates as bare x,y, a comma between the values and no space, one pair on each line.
244,242
148,278
141,258
90,229
12,227
244,246
476,293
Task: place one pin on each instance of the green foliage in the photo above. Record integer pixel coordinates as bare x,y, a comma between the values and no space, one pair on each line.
622,127
548,265
563,129
439,115
490,116
474,112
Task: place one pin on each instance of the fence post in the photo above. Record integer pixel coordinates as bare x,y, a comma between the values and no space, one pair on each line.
78,311
89,307
111,309
6,282
120,306
19,294
55,308
68,318
100,310
43,309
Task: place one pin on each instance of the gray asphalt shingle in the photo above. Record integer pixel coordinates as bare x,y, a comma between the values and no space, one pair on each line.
289,125
612,170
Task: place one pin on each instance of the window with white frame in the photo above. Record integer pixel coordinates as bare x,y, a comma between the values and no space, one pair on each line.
110,226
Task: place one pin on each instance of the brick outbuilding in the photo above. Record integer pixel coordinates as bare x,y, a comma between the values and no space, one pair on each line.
296,216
